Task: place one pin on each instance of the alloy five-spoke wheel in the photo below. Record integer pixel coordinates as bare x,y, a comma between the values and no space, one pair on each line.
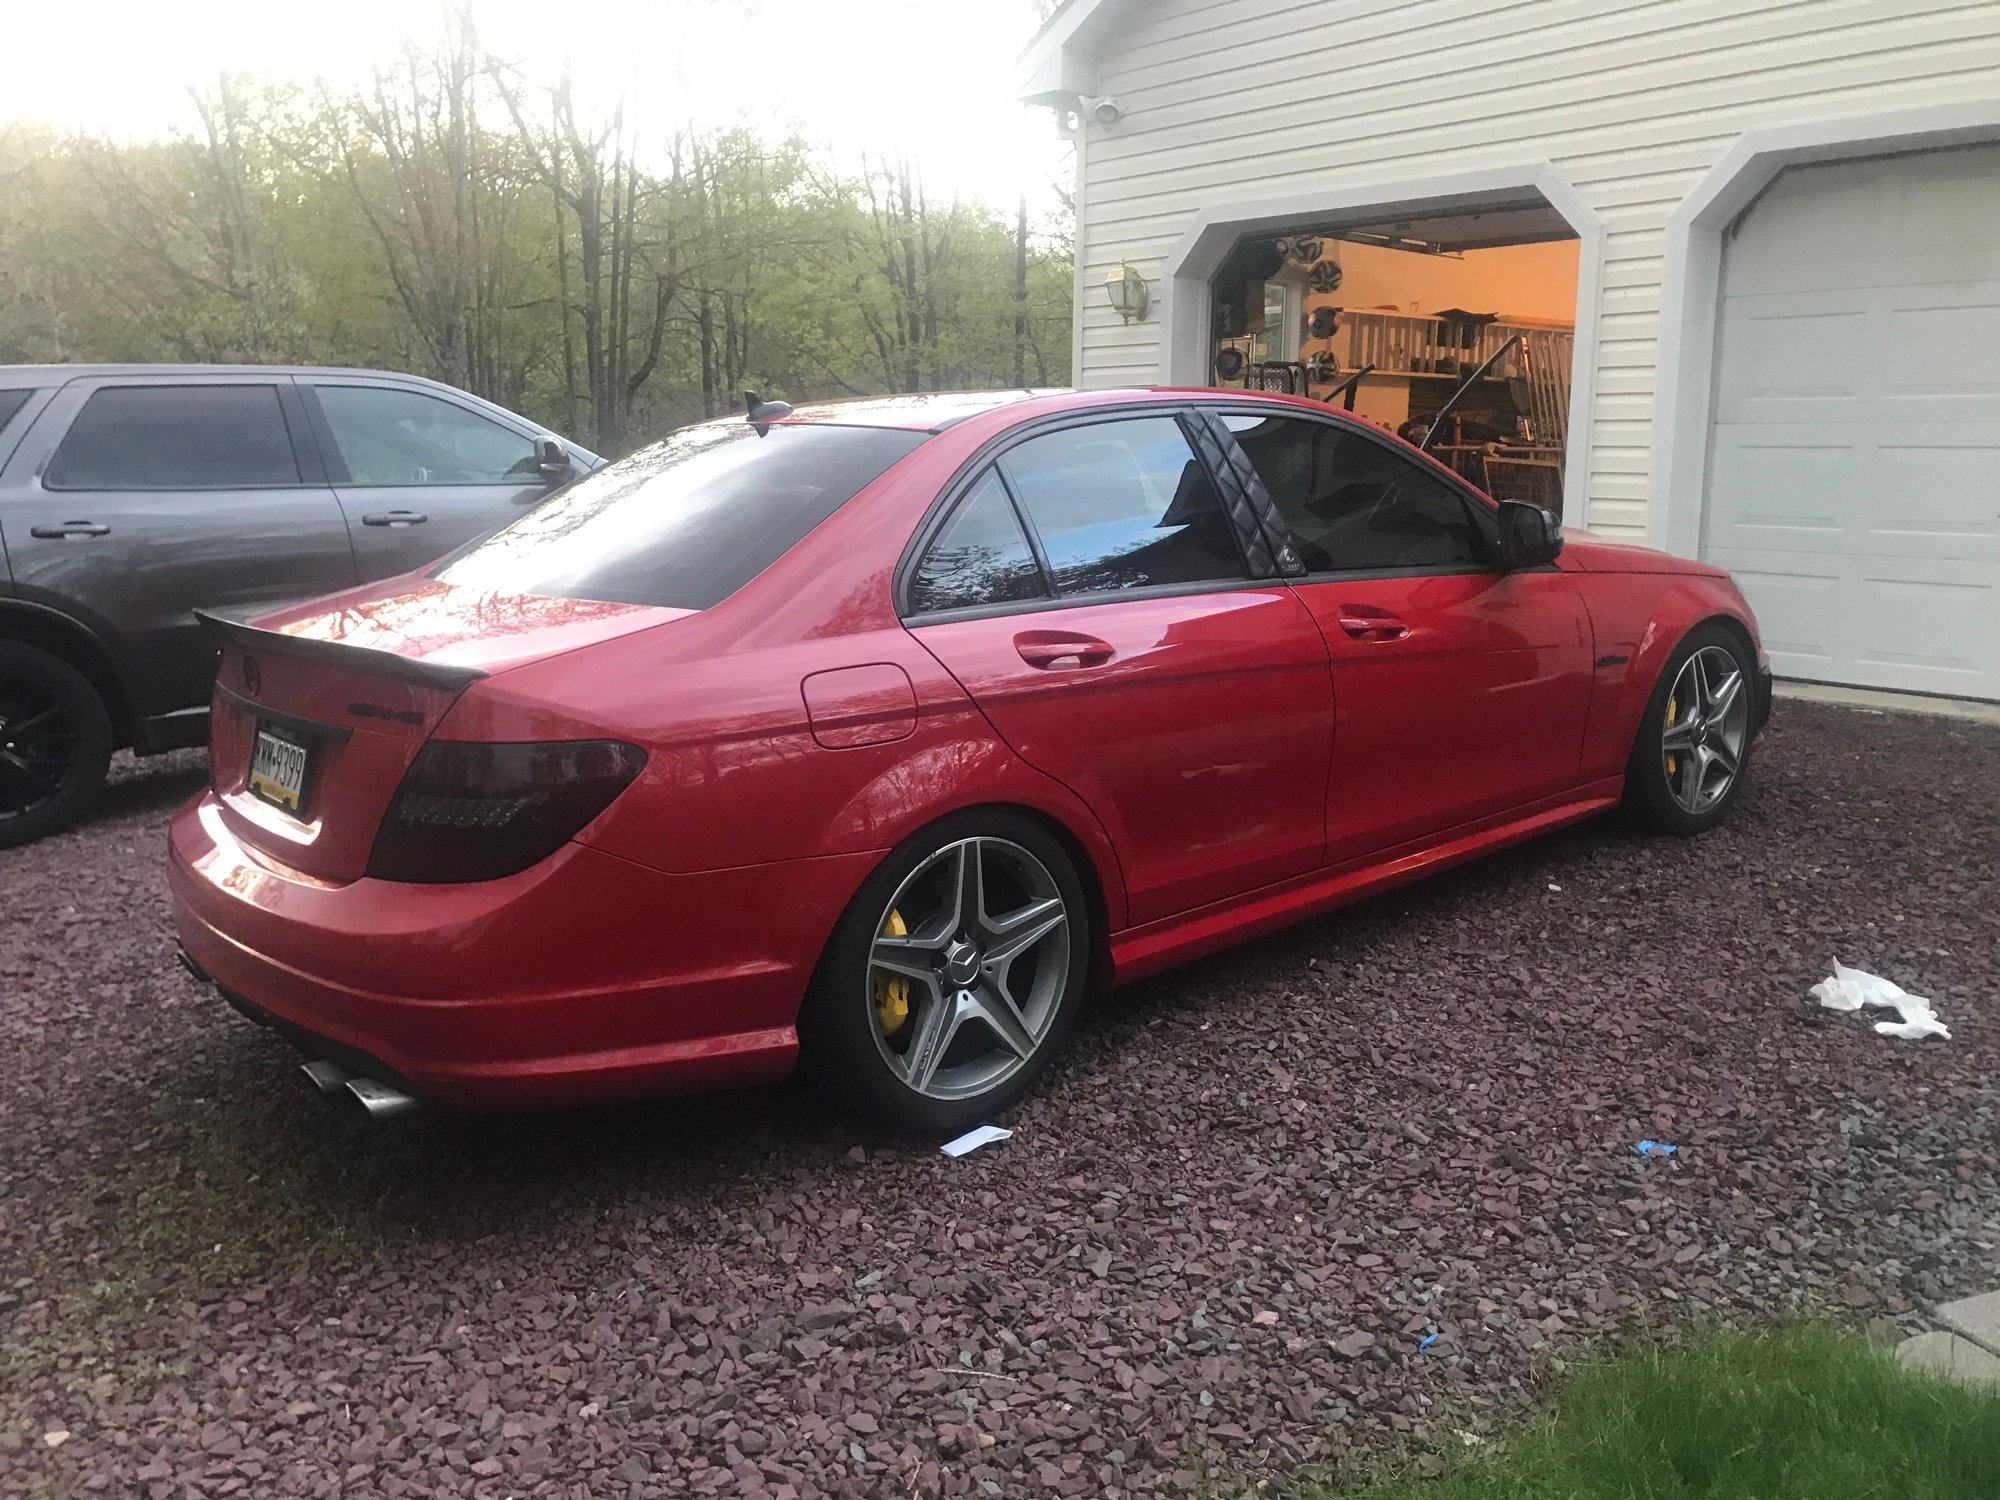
1692,750
968,969
1707,726
954,974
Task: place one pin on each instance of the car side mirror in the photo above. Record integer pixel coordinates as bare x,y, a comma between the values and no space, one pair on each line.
552,461
1529,535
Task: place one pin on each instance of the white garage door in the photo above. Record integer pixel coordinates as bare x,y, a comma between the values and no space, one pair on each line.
1854,475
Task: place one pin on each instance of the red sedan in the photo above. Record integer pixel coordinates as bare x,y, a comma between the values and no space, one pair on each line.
875,734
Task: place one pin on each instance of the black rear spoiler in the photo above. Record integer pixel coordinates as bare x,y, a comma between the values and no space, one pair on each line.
338,653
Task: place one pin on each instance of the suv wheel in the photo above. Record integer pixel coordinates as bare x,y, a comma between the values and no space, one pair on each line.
55,743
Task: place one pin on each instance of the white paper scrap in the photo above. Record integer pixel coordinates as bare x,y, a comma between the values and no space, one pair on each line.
972,1140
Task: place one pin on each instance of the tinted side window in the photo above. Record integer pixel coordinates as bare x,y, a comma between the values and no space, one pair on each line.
1351,502
1120,505
11,402
176,437
981,556
406,437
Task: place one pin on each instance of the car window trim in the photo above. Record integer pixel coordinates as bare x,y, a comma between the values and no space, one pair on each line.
1034,543
1482,510
24,421
305,442
990,452
93,388
1179,417
1096,597
1029,531
337,471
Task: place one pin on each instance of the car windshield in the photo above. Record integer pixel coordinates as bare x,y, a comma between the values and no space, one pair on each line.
686,522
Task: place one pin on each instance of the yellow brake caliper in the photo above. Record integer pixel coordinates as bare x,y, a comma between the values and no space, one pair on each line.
892,992
1673,764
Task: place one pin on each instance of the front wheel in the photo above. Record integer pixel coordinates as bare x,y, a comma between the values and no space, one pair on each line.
55,743
1693,747
953,977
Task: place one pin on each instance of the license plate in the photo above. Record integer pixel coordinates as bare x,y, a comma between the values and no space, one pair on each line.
278,769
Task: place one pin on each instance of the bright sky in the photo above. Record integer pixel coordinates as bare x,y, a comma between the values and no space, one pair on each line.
930,77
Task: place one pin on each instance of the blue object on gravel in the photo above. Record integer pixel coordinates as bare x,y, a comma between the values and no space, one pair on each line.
1427,1343
1655,1148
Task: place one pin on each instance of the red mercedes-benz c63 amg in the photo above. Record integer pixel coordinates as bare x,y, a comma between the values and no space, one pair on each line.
875,734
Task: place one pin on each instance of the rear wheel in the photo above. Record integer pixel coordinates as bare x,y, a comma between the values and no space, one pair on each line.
1693,747
953,977
55,743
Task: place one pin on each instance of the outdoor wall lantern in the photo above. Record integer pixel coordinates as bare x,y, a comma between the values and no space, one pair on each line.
1128,292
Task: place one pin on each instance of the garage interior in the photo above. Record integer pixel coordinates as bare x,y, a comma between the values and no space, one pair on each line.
1390,319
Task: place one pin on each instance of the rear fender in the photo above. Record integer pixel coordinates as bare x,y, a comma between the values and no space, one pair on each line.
740,772
978,769
783,796
79,644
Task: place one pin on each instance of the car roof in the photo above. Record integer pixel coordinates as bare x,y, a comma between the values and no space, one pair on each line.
934,411
63,374
924,411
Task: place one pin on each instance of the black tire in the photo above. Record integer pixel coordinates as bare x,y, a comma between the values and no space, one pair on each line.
55,731
1655,799
845,1042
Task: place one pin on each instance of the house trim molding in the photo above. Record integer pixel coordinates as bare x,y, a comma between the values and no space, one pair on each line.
1186,314
1691,293
1060,63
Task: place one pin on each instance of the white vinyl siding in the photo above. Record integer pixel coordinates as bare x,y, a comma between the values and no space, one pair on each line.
1633,101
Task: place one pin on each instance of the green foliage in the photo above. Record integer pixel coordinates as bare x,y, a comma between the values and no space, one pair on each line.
1804,1413
453,221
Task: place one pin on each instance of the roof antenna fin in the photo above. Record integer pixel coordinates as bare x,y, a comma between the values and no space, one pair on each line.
763,413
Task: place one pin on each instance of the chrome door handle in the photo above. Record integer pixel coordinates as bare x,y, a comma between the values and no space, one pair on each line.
68,528
395,518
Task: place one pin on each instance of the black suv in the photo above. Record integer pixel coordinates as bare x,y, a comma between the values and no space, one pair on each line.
131,495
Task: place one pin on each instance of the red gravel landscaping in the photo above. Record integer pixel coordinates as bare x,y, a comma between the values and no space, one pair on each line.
1206,1258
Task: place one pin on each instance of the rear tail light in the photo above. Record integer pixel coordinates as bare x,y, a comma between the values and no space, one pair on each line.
467,811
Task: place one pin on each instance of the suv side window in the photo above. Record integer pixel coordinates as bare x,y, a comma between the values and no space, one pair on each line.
1352,503
981,556
11,402
395,437
176,437
1123,504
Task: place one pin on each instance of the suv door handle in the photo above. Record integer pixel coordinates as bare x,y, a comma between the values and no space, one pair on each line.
1049,648
395,518
1372,624
68,528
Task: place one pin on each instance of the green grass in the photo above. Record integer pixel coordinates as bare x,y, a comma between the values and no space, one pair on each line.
1804,1413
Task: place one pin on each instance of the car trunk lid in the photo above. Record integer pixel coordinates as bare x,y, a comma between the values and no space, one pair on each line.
318,710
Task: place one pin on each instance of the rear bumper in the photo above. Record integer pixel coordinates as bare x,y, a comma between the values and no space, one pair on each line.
585,979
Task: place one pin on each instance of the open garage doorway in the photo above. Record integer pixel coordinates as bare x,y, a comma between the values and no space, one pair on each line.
1463,321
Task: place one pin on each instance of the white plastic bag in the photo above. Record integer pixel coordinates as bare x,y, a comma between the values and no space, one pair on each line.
1850,989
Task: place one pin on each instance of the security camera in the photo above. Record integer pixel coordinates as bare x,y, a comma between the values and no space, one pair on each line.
1105,111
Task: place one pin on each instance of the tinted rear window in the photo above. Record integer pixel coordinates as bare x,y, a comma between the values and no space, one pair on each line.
11,402
687,522
187,437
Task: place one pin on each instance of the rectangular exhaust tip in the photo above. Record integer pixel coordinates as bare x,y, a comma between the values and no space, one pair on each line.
382,1101
328,1077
